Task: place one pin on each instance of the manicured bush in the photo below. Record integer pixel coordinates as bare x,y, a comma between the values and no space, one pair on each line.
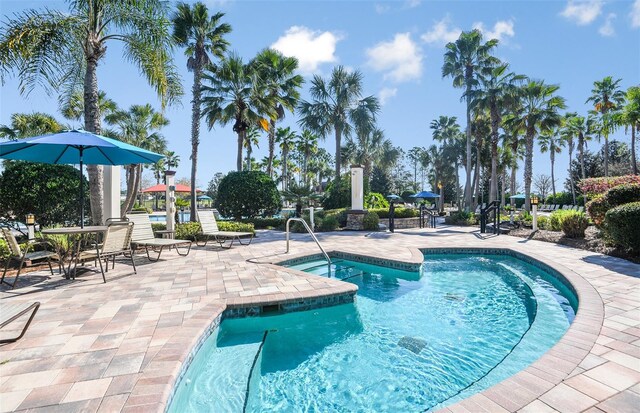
574,224
597,186
4,250
383,213
328,223
597,208
375,200
247,194
623,194
561,198
264,223
338,197
543,222
623,225
556,218
461,218
189,230
370,221
236,226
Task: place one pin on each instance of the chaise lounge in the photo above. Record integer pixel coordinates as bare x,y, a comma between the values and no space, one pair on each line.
210,230
143,237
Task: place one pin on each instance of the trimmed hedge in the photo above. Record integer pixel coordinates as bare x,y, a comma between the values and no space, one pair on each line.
264,223
328,223
383,213
247,194
556,218
461,218
574,224
189,230
597,208
623,225
623,194
370,221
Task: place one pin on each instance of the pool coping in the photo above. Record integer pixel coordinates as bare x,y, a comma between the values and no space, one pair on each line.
512,394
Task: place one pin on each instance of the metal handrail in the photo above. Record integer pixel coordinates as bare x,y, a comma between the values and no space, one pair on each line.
304,223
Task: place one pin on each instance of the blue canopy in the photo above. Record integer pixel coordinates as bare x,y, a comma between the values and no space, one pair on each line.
518,196
75,147
205,198
393,197
425,195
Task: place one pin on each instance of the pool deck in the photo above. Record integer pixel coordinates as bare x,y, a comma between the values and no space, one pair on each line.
119,346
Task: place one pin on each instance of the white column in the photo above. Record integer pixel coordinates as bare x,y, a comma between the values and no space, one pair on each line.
535,217
357,188
312,224
170,199
112,192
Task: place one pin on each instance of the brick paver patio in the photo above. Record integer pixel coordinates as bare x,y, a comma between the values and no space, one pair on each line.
120,346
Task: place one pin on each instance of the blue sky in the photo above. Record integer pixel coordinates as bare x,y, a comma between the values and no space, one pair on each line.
398,46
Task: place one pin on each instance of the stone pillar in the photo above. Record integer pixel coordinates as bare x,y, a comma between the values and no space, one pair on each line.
355,216
170,199
112,192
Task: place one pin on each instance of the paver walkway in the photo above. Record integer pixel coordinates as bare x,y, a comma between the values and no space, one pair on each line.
119,346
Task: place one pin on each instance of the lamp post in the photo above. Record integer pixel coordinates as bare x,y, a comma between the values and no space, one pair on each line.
441,196
30,220
534,206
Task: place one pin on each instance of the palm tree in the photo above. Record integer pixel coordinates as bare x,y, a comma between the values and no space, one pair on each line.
415,155
62,50
203,38
366,149
607,97
463,61
307,145
551,142
281,85
286,138
172,159
447,131
24,125
336,104
138,126
234,94
630,118
497,92
72,107
568,134
251,139
538,114
480,129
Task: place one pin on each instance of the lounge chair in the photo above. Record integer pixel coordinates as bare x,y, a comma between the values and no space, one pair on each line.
117,241
143,237
581,209
210,230
17,254
10,312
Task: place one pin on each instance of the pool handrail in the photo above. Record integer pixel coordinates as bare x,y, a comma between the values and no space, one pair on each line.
306,226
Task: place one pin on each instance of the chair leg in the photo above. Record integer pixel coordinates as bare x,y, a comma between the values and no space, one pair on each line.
15,281
113,266
248,243
50,267
102,269
198,243
158,257
135,271
6,268
186,253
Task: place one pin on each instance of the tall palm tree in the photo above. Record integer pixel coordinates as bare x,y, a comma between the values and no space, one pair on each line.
251,139
538,114
337,102
203,38
61,51
463,61
607,97
233,92
307,145
139,126
582,130
550,141
366,149
281,85
447,131
629,117
24,125
497,91
480,129
568,135
513,140
72,106
415,155
286,138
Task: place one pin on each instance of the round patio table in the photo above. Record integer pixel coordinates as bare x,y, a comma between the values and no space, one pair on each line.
74,233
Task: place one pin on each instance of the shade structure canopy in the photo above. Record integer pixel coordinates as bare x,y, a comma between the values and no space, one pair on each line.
394,197
76,147
425,195
518,196
204,198
163,188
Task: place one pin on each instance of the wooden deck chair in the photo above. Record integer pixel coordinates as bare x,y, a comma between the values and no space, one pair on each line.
210,230
17,254
143,237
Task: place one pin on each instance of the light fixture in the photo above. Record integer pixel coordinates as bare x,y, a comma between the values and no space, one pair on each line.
534,200
30,219
440,185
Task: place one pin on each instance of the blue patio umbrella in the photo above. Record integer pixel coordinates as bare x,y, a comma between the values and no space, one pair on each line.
425,195
205,198
76,147
518,196
394,197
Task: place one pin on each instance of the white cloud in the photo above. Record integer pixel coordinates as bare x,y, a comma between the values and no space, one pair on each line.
387,93
381,8
410,4
442,32
607,28
502,30
311,48
635,14
582,12
400,58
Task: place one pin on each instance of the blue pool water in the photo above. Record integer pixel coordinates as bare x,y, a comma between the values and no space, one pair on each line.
411,342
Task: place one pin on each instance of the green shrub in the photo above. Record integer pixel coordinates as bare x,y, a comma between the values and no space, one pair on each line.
574,224
340,214
461,218
236,226
4,250
264,223
247,194
375,200
623,194
141,209
338,197
188,230
383,213
623,225
556,218
543,222
561,198
328,223
158,226
370,221
597,208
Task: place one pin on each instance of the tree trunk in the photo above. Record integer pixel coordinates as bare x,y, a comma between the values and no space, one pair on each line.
478,171
248,156
504,187
581,155
441,199
514,168
553,176
284,169
495,124
457,184
573,187
467,185
272,147
92,124
131,189
606,155
239,156
528,168
634,161
195,135
338,154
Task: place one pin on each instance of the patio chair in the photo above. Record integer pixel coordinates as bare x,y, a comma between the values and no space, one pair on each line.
10,312
17,254
210,230
117,241
581,209
143,237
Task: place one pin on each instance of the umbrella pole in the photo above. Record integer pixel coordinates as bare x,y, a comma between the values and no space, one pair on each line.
81,194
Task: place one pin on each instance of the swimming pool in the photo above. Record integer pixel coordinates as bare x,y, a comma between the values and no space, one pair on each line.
413,341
